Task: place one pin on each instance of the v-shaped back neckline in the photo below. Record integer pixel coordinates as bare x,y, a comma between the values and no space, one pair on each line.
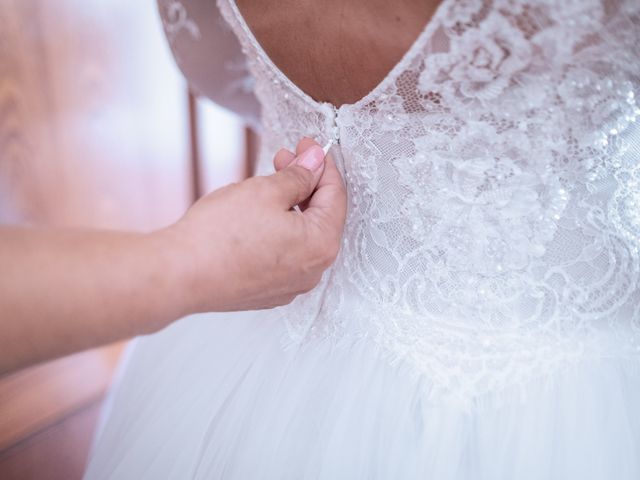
422,38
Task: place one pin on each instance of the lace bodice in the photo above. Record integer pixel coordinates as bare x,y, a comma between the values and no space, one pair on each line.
493,176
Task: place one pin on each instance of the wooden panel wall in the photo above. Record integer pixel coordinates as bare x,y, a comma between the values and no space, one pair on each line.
93,127
94,131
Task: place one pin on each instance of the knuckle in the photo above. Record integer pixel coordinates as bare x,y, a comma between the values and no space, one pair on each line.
310,284
327,259
315,280
327,254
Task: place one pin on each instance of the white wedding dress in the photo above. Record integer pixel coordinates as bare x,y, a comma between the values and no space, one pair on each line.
482,320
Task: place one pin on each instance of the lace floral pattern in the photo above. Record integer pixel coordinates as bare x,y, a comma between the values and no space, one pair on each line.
493,230
481,64
176,19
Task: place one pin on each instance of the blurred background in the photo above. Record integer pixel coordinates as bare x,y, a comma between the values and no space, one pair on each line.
98,129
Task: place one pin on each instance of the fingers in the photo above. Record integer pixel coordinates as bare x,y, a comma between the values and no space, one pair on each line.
328,205
304,143
325,209
297,182
283,158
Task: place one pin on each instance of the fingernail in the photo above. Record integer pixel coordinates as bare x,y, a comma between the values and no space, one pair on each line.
311,159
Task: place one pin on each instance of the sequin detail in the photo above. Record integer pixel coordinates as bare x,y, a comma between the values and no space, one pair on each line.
493,227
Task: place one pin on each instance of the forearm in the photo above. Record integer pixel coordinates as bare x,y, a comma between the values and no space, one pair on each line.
241,247
66,290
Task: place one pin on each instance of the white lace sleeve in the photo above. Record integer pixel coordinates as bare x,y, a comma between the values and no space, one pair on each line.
210,56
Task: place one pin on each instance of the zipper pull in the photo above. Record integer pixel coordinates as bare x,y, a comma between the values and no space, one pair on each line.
329,144
331,128
336,129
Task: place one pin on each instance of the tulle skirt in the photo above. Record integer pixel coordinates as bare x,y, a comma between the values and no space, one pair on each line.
216,396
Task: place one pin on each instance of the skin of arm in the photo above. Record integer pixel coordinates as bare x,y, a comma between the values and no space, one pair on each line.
241,247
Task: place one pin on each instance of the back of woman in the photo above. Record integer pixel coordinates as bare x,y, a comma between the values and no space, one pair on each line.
482,319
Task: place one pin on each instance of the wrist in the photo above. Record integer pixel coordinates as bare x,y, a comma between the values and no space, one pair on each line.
194,277
163,280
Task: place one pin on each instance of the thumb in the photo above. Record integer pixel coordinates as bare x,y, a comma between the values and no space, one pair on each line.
297,182
328,206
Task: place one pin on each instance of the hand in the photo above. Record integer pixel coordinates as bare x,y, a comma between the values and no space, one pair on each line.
244,247
241,247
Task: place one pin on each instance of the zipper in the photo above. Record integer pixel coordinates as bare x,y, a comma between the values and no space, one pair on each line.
336,127
334,134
